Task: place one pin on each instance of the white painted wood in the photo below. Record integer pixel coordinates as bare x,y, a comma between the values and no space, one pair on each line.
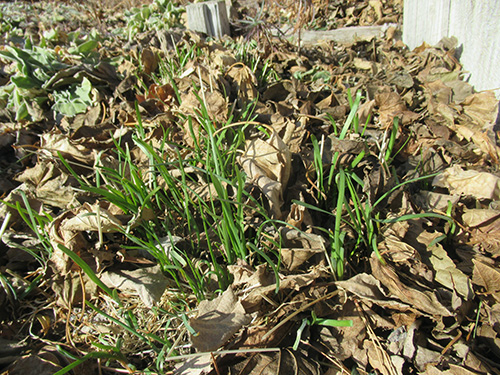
475,23
425,21
209,17
345,35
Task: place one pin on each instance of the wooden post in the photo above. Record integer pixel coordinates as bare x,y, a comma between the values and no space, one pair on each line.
209,17
474,23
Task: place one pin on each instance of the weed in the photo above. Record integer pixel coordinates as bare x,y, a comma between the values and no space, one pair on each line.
159,15
341,194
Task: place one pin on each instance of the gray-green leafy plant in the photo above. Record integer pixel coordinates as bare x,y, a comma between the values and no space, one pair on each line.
28,93
159,15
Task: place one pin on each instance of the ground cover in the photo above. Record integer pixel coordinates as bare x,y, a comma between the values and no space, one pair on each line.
175,204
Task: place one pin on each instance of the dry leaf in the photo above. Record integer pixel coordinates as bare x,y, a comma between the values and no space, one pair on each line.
285,361
488,277
217,321
271,156
52,143
390,105
368,288
51,185
149,60
447,274
485,228
425,301
481,108
244,83
254,298
469,182
149,283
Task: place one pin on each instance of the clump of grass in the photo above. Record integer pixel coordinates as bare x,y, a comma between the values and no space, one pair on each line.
342,195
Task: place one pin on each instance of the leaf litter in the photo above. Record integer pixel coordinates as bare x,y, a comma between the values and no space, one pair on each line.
365,177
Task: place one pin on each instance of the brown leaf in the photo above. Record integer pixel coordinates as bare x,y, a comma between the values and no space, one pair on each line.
73,288
92,218
368,288
283,362
246,277
244,83
254,298
298,247
199,365
149,283
271,189
469,182
425,357
33,364
447,274
425,301
149,60
487,277
390,105
299,215
430,200
378,358
479,217
268,165
52,143
73,241
272,156
481,108
217,321
438,97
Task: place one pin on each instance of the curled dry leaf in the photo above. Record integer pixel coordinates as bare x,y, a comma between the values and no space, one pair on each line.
484,144
469,182
253,300
368,288
270,188
484,227
149,283
391,105
425,301
481,108
244,83
298,247
74,241
488,277
447,274
284,361
268,165
476,217
246,277
52,143
217,321
430,200
91,218
438,97
299,215
271,156
50,184
149,60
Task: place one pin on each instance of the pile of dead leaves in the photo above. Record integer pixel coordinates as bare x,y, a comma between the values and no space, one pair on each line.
430,306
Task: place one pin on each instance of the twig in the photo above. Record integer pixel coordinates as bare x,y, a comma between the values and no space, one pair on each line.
303,308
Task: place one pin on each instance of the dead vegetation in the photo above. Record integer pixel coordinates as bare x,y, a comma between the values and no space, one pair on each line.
173,204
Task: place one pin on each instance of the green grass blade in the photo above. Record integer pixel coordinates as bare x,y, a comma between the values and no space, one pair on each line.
87,270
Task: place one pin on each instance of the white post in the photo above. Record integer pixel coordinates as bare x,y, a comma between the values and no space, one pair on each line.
209,17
